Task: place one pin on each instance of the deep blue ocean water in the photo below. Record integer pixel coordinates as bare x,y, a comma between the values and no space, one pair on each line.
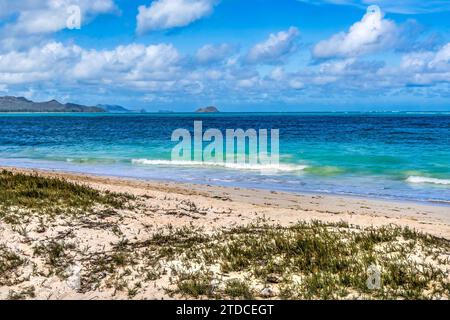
385,155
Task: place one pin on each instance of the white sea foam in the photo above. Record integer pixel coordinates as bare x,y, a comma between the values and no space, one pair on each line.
418,179
236,166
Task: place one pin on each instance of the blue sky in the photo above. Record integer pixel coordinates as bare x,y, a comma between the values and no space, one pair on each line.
252,55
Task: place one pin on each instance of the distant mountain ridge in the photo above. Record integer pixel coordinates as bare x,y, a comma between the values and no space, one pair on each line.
21,104
113,108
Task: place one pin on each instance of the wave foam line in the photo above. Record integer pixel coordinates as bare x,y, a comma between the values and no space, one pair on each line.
238,166
418,179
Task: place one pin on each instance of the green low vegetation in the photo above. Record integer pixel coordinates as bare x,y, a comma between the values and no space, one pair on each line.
41,193
22,195
318,261
305,261
11,264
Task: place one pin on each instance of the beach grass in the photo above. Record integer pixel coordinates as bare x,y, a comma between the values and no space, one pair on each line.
37,192
24,194
318,261
305,261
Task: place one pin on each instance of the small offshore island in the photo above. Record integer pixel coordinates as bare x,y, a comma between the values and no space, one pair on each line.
210,109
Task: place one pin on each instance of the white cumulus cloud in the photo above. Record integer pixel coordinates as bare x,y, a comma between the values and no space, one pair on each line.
48,16
426,68
371,34
132,65
273,50
166,14
214,53
130,62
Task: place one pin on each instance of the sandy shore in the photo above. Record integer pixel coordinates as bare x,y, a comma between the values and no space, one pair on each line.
208,207
240,206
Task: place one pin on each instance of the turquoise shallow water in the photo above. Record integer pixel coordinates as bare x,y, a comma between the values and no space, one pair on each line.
395,155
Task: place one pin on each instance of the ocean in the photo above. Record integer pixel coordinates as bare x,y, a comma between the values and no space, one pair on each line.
404,156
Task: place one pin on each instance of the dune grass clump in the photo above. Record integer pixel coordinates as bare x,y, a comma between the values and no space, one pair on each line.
25,193
238,289
10,266
25,293
195,285
56,256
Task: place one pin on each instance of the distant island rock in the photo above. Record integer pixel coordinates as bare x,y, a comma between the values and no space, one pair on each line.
21,104
207,110
113,108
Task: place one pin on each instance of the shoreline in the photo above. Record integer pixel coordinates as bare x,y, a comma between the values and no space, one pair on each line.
283,207
443,112
393,199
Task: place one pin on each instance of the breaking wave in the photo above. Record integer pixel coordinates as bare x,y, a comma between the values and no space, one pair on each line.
236,166
419,179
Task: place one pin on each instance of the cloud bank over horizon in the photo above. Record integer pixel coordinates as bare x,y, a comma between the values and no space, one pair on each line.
375,59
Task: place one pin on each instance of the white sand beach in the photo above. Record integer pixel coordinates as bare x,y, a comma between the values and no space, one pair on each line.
208,207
